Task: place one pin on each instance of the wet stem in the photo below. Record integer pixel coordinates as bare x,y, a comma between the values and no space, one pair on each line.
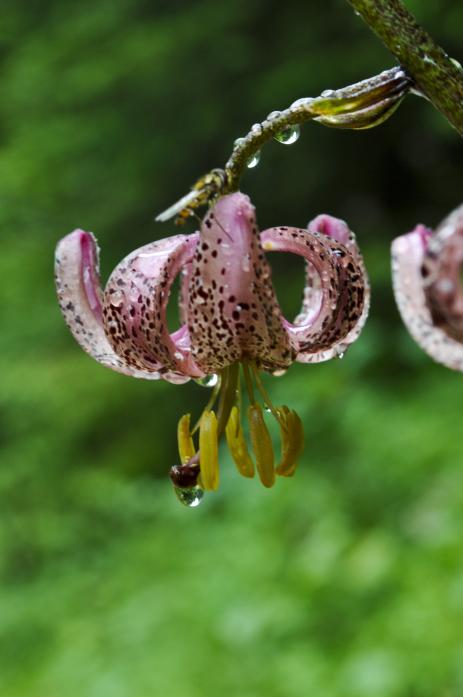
436,75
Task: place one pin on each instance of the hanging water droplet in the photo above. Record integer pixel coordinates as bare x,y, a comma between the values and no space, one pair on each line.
267,409
445,285
279,373
191,497
208,380
117,298
340,355
254,160
288,136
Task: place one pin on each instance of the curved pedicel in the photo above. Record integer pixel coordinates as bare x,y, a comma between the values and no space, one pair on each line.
412,257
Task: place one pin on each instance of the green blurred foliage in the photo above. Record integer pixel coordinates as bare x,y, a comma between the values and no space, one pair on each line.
346,581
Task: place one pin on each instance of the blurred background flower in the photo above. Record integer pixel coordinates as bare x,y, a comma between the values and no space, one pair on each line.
346,581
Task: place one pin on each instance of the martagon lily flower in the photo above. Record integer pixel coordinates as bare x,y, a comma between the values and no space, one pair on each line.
426,268
230,318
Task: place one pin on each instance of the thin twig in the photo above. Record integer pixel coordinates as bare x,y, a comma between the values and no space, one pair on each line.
436,75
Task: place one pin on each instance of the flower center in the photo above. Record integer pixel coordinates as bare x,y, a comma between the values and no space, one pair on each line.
199,468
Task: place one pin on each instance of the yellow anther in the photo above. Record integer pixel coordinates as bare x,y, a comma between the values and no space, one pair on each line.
261,445
209,451
292,441
186,446
237,444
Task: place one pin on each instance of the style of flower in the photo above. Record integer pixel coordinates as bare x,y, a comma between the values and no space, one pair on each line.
230,320
426,276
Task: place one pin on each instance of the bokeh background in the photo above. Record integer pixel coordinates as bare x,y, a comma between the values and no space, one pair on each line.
346,581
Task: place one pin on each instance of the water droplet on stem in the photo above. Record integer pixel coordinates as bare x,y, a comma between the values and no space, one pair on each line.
254,160
289,135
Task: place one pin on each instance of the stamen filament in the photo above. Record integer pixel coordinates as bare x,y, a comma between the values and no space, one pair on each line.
228,396
261,445
248,382
210,403
260,386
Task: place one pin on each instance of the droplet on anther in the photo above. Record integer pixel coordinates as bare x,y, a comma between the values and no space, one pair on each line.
289,135
208,380
190,497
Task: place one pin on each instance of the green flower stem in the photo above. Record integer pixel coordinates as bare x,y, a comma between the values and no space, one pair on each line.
362,105
435,74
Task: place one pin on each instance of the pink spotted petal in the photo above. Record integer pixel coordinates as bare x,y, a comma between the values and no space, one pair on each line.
334,296
338,230
135,304
79,295
408,256
441,275
233,313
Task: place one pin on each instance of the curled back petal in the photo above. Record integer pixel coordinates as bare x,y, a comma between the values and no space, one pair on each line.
338,230
135,304
408,255
334,297
233,312
441,271
80,299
